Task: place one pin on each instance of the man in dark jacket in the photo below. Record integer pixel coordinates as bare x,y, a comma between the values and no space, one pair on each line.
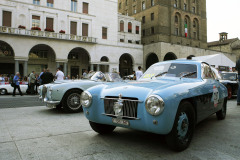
47,77
238,69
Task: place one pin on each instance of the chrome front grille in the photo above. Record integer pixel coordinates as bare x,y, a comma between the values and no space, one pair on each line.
44,91
130,106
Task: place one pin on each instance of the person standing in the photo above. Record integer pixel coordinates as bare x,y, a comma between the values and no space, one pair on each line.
32,80
85,74
238,69
59,75
39,78
139,73
47,77
16,83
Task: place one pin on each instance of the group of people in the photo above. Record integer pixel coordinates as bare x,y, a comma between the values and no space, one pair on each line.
35,80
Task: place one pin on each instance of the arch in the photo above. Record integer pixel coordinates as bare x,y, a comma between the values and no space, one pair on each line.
41,56
177,20
130,27
78,62
195,28
169,56
6,58
104,59
121,26
125,64
152,58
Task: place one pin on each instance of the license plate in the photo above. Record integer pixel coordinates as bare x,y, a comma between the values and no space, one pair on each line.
121,121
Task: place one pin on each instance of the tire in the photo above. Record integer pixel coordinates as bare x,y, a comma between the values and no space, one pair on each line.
69,100
229,89
221,115
102,128
180,136
3,91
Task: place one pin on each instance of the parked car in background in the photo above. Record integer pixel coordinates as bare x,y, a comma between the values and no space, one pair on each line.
66,94
6,88
230,80
169,99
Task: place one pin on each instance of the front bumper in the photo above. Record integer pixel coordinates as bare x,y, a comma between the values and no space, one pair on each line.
51,104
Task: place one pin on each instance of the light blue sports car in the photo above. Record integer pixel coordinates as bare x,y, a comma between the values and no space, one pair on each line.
169,99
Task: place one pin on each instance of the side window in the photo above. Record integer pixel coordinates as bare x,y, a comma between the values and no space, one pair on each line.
206,72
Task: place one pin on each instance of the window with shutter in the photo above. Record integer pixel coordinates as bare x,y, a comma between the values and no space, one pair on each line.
35,21
137,29
85,7
7,19
104,33
121,26
49,23
84,29
130,27
50,3
73,28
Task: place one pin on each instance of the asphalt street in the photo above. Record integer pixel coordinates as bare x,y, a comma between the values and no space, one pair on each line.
39,133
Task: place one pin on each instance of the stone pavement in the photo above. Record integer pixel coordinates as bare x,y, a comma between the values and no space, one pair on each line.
38,133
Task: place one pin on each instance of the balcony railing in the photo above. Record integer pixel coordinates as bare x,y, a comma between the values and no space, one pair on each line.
44,34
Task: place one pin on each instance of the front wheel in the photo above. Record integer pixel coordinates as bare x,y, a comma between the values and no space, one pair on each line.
3,91
102,128
221,115
182,132
71,101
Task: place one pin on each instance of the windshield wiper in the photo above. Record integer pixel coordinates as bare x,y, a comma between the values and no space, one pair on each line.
160,74
189,74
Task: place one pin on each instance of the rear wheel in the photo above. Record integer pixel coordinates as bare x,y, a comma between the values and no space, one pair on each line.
102,128
71,101
182,132
229,88
221,115
3,91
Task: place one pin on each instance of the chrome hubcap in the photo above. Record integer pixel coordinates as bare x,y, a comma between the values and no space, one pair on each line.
3,91
183,125
73,101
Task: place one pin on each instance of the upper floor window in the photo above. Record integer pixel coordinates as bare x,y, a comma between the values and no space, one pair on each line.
122,26
193,9
35,21
143,5
49,23
126,2
175,3
176,31
152,2
85,29
74,5
143,19
137,29
152,30
85,7
134,10
143,32
7,19
73,28
129,27
152,16
104,33
50,3
185,6
37,2
176,19
120,6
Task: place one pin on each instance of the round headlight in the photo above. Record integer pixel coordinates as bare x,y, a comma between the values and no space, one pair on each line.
154,105
86,99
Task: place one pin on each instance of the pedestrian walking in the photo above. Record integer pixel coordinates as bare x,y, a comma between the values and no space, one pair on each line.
16,84
139,73
47,77
59,75
238,69
32,80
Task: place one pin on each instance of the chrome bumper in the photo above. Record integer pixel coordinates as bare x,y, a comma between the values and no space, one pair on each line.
51,104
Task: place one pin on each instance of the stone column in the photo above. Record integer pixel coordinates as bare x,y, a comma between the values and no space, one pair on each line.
25,68
98,67
16,66
65,69
92,67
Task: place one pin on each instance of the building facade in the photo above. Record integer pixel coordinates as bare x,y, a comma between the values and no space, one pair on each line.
73,34
171,29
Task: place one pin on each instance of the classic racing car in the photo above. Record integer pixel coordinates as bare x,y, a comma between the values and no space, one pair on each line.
169,99
66,94
230,80
6,88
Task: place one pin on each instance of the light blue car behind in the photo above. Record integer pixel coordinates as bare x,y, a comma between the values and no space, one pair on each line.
169,99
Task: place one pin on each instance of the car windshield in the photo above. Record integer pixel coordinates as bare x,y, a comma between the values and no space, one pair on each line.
229,76
109,77
171,70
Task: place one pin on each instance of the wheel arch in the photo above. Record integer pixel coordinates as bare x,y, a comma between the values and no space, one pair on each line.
194,104
69,90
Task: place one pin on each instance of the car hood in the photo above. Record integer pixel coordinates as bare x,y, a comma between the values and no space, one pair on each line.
141,89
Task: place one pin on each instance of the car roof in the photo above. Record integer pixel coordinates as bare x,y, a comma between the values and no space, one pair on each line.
182,61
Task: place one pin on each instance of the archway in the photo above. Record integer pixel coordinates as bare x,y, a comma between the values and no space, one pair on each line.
151,59
104,67
125,65
169,56
78,62
7,59
41,56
